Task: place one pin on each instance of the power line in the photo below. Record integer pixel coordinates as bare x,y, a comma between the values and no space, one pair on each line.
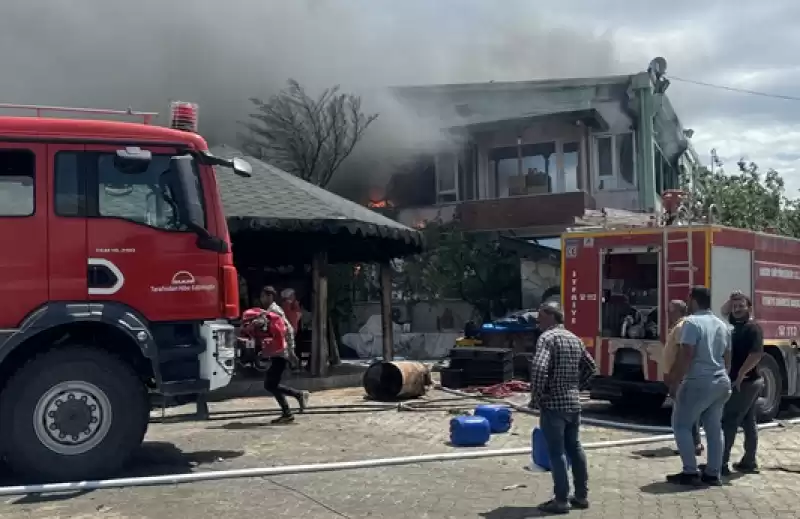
734,89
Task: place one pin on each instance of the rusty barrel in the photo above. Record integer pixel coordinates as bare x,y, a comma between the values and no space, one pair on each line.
397,380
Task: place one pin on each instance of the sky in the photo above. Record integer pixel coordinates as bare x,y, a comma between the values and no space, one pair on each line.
142,54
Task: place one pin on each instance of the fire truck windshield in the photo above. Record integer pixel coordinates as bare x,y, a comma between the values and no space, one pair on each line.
148,197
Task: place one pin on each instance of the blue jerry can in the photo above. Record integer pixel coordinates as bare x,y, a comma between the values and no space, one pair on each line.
499,416
539,453
469,431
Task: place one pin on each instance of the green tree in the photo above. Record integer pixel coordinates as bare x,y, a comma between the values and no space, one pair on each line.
468,266
749,198
306,136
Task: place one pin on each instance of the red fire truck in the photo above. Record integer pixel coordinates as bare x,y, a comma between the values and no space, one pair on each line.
116,282
617,284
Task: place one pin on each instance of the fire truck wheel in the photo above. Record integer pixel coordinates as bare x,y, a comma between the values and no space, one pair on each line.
72,414
769,401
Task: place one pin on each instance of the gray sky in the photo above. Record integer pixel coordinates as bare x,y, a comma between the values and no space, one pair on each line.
108,53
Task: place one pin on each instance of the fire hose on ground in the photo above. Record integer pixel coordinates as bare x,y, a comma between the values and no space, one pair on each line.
175,479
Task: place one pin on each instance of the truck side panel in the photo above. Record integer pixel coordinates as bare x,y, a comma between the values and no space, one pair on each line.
732,269
580,292
776,295
776,283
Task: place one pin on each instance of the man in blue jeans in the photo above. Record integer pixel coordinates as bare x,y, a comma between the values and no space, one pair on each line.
700,387
560,369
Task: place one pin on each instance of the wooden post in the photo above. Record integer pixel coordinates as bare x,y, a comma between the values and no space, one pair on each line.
386,312
319,331
333,345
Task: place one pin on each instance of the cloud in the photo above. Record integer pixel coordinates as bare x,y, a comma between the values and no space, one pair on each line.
142,54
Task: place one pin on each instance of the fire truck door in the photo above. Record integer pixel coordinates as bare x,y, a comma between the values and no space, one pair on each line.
139,254
23,226
67,223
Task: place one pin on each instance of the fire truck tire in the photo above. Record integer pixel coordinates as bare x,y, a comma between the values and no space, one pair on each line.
75,413
769,401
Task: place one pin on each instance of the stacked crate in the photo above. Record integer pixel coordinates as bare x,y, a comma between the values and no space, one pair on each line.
478,367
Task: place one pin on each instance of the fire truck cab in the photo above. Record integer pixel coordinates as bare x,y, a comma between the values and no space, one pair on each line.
617,284
116,282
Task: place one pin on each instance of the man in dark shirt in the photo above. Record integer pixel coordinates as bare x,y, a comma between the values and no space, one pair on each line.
561,367
747,344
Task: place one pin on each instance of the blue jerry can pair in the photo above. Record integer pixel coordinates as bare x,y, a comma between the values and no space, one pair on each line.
475,431
540,456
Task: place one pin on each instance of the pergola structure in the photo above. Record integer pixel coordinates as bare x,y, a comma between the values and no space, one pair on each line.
276,219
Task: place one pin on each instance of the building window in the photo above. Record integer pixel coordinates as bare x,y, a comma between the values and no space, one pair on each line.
446,177
667,175
17,193
615,161
145,198
537,163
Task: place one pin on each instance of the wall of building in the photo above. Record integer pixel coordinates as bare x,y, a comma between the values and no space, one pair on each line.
536,278
441,316
625,103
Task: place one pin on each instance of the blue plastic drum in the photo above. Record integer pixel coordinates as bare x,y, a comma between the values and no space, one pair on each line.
469,431
499,416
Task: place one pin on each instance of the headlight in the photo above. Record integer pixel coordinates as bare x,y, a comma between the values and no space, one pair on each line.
226,341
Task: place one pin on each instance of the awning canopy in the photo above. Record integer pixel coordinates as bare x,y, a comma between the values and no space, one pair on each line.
276,218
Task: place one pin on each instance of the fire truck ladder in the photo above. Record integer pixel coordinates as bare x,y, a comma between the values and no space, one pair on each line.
682,263
147,117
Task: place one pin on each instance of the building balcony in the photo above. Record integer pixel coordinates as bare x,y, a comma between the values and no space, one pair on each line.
534,215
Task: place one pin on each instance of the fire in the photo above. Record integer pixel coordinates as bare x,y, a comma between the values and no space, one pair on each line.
377,204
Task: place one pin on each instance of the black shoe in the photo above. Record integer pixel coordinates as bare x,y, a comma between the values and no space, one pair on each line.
579,504
283,419
302,400
712,481
681,478
554,507
724,471
745,468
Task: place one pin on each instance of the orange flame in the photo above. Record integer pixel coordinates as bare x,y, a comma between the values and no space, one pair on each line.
376,204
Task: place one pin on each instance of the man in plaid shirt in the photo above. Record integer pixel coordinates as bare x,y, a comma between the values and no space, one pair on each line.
560,369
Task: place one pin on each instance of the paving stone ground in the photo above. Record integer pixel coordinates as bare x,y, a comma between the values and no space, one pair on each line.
625,481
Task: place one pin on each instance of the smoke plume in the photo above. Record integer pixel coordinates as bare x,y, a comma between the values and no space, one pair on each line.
143,53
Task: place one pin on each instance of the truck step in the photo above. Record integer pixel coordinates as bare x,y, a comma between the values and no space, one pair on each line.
182,351
184,387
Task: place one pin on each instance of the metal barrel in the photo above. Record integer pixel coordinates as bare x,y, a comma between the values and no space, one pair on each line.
397,380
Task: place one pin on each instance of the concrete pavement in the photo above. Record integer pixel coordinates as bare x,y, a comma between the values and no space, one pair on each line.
625,481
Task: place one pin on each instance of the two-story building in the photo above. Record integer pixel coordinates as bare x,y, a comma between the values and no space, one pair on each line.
535,157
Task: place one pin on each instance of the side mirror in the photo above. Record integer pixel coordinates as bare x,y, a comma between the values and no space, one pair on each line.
242,168
186,192
132,160
239,166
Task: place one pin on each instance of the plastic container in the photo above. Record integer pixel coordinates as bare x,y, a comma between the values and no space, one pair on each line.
539,454
469,431
499,416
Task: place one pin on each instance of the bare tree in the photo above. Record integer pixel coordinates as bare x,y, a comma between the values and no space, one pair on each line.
306,136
